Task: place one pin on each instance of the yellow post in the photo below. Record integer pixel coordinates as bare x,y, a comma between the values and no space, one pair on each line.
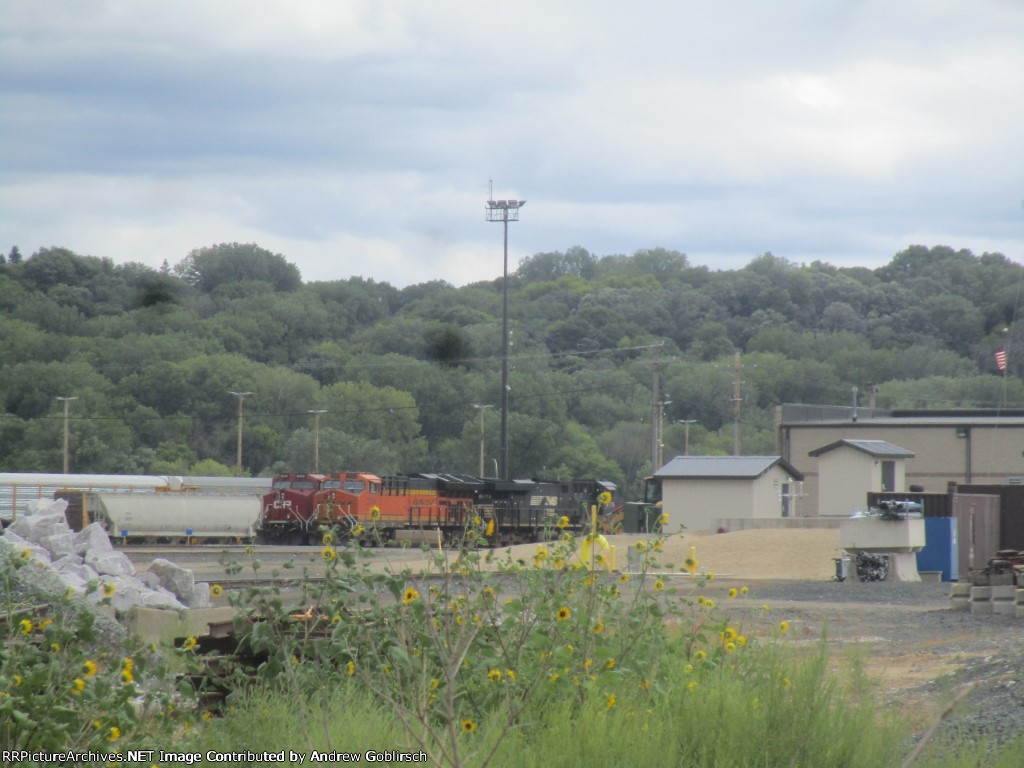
593,533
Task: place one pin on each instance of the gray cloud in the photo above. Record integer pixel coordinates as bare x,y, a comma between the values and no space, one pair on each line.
358,137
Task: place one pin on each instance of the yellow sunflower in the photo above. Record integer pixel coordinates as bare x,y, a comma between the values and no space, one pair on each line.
563,613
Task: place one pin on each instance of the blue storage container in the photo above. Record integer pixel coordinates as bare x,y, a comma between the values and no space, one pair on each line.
940,550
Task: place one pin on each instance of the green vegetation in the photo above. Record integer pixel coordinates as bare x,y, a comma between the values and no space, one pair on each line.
66,688
152,357
541,662
475,663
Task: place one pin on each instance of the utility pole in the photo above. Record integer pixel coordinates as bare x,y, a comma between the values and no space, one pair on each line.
656,368
316,438
686,440
241,399
67,429
482,408
737,398
661,428
504,211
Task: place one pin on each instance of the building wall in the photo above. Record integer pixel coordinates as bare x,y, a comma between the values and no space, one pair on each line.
845,477
985,454
699,503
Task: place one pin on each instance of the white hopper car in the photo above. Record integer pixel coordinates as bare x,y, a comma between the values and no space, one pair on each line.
175,517
145,507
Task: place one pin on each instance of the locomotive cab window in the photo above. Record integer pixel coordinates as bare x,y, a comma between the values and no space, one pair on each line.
332,484
374,487
303,485
355,487
281,485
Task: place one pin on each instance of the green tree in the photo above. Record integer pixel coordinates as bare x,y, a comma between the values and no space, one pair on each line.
216,266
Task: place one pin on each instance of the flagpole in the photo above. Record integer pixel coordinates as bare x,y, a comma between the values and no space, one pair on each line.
1005,369
1002,364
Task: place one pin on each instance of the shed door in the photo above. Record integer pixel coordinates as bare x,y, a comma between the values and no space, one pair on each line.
888,476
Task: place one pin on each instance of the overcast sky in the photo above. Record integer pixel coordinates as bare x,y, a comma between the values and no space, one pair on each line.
357,137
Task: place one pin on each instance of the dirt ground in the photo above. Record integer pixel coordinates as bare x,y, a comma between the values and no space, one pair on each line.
799,554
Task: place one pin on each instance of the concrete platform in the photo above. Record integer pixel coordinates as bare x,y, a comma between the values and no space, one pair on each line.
154,625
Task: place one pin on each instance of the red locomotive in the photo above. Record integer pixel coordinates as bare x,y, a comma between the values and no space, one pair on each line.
287,511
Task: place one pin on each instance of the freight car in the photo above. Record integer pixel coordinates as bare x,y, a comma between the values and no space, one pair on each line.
365,506
198,509
175,518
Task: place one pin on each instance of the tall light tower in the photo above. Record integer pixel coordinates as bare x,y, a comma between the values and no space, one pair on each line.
316,439
504,211
241,399
67,428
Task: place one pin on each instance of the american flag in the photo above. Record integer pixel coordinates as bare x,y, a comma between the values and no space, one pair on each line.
1001,359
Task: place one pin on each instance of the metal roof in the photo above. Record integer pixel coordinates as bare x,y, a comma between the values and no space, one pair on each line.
882,449
725,467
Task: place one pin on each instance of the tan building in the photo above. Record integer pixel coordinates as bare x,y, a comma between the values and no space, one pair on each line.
849,469
966,447
699,490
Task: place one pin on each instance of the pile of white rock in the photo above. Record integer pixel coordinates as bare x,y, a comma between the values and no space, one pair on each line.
42,534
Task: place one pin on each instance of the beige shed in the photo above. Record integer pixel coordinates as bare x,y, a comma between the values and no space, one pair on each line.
849,469
698,490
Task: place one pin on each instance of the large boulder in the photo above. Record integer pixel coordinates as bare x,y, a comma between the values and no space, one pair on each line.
177,580
20,544
59,544
92,538
109,563
41,518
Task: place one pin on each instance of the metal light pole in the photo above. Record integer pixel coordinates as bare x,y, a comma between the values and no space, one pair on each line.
67,428
316,439
482,408
241,399
504,211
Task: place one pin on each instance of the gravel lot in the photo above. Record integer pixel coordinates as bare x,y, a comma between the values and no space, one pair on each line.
925,655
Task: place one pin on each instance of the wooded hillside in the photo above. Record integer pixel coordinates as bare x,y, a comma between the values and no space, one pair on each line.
152,358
